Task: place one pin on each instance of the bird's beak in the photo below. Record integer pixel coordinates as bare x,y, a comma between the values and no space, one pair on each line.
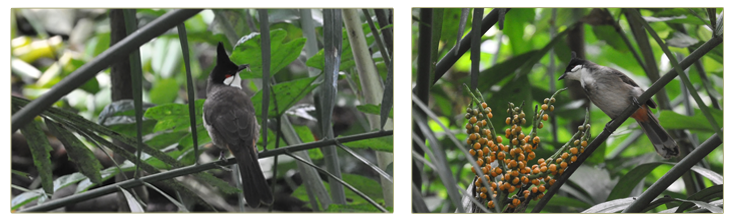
562,77
243,67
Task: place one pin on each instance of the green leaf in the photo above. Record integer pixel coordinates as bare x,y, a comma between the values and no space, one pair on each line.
25,198
368,186
563,201
612,206
318,60
164,91
163,140
678,39
77,152
249,51
174,116
672,120
385,144
337,208
515,91
608,34
41,152
373,109
203,138
286,93
106,174
498,72
306,136
514,24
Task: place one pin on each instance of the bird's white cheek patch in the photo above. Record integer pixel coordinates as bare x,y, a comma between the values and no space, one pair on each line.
234,81
576,68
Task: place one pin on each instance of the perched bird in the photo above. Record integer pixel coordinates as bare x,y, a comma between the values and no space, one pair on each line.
228,115
612,92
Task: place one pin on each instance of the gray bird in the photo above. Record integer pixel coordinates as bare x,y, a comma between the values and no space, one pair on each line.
228,115
612,92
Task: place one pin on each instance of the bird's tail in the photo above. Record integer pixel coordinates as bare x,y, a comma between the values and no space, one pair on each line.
255,187
661,140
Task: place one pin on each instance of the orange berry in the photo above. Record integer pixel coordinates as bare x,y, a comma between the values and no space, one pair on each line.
484,169
473,120
490,115
480,153
540,196
584,143
544,107
542,188
573,159
501,155
483,189
476,146
532,155
516,181
521,157
514,173
511,189
576,142
484,105
551,108
573,150
480,161
541,160
516,202
493,185
483,195
541,125
514,141
536,140
553,167
551,182
513,163
498,170
563,165
521,165
499,139
472,152
491,205
536,170
508,120
543,169
534,189
473,136
483,123
472,169
524,180
565,155
545,117
535,182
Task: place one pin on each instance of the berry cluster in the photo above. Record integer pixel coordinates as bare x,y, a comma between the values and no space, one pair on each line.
512,179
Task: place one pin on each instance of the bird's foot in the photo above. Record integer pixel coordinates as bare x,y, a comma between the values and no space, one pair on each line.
221,159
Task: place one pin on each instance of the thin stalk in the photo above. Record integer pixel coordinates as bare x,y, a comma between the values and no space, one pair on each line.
190,88
328,92
475,48
136,75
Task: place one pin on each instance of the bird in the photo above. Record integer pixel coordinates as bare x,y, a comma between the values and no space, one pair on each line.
612,92
229,118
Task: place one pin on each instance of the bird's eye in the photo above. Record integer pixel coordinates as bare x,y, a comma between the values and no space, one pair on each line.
227,76
576,67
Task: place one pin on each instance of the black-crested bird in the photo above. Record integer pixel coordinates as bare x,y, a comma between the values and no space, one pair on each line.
612,92
228,115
